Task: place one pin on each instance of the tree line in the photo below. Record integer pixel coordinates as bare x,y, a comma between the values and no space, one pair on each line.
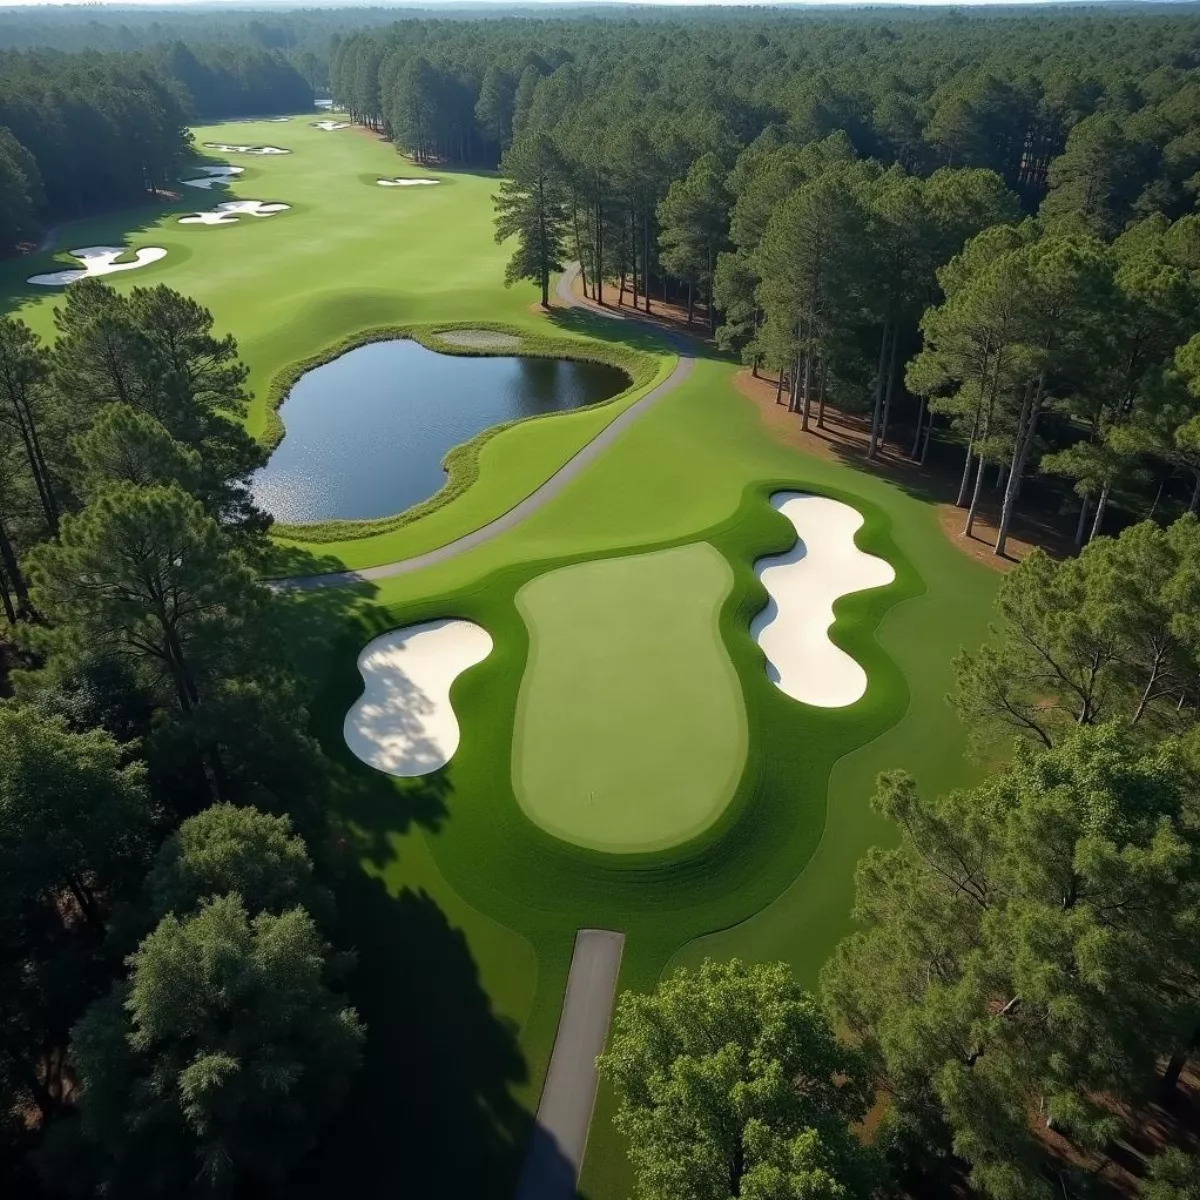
1017,278
1027,958
81,133
172,1020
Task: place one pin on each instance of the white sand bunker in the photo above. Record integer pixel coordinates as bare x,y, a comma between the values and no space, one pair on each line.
226,148
401,182
803,583
100,260
228,213
330,126
213,176
479,339
403,722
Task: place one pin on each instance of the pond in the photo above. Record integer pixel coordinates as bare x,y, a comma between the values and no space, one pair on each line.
365,434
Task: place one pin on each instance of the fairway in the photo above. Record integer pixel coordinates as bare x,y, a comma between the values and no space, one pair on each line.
621,758
630,732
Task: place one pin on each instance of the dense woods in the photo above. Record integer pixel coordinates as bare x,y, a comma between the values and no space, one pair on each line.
163,846
801,185
976,232
83,133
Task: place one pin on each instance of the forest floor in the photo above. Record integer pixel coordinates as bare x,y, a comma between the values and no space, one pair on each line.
845,438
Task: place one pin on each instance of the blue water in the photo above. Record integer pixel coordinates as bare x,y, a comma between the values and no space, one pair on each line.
366,434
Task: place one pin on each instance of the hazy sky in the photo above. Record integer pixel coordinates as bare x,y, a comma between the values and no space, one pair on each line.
283,4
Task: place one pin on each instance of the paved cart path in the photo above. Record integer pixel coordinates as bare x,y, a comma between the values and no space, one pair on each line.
539,496
555,1153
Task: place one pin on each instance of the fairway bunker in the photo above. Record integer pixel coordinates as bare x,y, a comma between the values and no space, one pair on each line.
400,181
403,723
331,126
213,177
803,584
99,260
227,148
228,213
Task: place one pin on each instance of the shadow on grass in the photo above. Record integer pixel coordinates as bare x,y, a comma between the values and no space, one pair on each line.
431,1111
632,332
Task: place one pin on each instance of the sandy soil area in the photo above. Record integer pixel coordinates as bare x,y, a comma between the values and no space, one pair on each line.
403,723
480,339
803,583
213,176
99,260
228,213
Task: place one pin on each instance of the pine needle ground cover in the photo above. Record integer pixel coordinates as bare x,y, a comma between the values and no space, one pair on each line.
461,909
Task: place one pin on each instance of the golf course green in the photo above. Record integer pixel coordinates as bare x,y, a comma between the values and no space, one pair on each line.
628,694
625,762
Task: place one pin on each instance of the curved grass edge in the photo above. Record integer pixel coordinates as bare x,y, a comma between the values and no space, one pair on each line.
737,755
462,462
767,832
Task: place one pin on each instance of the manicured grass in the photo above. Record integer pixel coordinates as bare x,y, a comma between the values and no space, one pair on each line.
697,467
461,909
630,733
350,257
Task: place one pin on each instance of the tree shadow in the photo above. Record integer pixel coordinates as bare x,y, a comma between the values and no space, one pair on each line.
630,331
431,1112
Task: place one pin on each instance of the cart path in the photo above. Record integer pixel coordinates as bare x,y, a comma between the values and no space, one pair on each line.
556,1147
541,495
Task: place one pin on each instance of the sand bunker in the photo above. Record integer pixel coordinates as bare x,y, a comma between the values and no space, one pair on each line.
479,339
218,176
228,213
330,126
226,148
403,722
803,583
398,182
100,260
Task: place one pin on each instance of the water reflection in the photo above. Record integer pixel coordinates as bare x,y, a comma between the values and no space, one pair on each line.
366,433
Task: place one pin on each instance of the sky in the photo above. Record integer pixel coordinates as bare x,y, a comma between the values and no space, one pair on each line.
250,4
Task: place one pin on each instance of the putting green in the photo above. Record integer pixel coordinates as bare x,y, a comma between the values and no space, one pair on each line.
464,912
630,729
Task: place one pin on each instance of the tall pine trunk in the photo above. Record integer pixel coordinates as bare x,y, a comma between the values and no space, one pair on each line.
914,454
1101,509
1026,430
877,411
1085,506
12,572
887,397
974,508
808,374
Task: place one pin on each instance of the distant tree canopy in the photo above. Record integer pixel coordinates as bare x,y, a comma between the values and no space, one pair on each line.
81,133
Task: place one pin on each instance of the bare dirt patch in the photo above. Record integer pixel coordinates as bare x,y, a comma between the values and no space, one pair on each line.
844,438
480,339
